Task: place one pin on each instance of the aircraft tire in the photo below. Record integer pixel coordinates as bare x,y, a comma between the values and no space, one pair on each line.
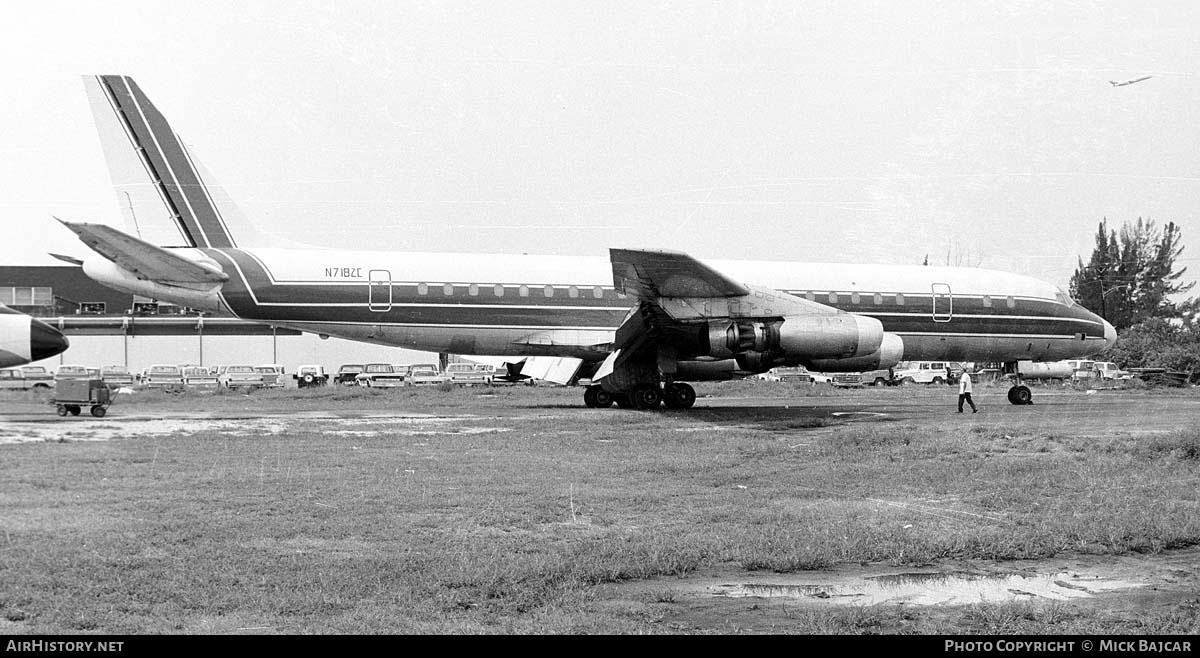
647,397
679,396
595,397
1020,395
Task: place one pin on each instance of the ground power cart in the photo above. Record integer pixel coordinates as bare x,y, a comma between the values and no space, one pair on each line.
72,395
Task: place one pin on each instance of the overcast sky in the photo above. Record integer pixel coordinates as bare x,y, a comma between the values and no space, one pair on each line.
978,133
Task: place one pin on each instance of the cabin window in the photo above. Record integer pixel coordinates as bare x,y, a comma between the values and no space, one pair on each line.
833,298
473,290
498,290
987,301
523,291
855,298
548,291
878,299
810,296
572,292
598,292
448,290
1010,302
899,299
422,288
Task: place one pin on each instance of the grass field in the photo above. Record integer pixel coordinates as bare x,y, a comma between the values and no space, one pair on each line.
516,510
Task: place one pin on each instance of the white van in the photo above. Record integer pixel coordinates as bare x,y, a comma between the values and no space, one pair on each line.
921,372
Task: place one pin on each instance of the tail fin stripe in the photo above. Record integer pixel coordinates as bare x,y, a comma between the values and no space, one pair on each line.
156,179
167,154
148,144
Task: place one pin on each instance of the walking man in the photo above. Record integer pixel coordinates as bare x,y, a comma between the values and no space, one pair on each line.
964,390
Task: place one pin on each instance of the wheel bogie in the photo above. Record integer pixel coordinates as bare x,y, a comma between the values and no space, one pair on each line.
1020,395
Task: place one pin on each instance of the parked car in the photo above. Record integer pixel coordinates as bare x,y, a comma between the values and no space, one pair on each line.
922,372
199,378
380,375
466,374
347,373
272,375
1109,370
12,379
163,376
1082,369
240,376
116,377
71,372
845,379
310,375
793,375
877,378
37,376
423,376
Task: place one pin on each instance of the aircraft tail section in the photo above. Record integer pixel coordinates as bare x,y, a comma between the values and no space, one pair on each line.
165,195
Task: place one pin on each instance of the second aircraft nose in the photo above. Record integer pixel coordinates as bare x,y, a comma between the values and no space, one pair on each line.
45,341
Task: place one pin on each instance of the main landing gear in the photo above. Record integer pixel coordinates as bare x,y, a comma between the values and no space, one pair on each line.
675,395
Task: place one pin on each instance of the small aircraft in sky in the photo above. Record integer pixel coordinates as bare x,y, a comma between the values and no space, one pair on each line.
24,339
639,324
1129,82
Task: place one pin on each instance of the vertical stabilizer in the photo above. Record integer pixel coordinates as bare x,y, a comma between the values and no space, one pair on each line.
165,195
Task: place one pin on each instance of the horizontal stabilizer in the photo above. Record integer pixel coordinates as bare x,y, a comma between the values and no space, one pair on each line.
143,259
651,275
67,259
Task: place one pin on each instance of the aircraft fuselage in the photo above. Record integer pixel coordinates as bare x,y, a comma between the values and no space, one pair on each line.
523,305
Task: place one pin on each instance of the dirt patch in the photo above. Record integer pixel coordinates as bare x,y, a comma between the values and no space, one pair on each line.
734,598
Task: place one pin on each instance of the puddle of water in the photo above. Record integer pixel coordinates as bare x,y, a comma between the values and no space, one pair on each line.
86,430
931,589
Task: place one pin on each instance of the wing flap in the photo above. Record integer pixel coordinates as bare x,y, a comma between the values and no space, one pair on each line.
143,259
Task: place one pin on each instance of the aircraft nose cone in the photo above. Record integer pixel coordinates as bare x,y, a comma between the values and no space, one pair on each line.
1110,335
45,341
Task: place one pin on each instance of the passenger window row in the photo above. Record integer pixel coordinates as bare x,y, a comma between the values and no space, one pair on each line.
501,290
898,299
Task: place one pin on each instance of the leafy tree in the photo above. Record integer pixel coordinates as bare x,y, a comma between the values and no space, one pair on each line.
1159,343
1131,275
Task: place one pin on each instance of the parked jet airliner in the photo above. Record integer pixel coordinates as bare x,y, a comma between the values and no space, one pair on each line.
640,323
24,339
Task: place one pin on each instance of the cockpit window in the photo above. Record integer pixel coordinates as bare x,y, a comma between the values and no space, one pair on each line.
1063,298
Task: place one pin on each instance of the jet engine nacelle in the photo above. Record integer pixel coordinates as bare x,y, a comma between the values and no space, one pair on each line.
797,338
890,352
198,296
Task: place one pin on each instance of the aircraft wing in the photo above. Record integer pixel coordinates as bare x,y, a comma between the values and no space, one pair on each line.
650,275
145,260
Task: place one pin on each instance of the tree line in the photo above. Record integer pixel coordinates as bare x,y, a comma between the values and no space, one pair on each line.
1131,280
